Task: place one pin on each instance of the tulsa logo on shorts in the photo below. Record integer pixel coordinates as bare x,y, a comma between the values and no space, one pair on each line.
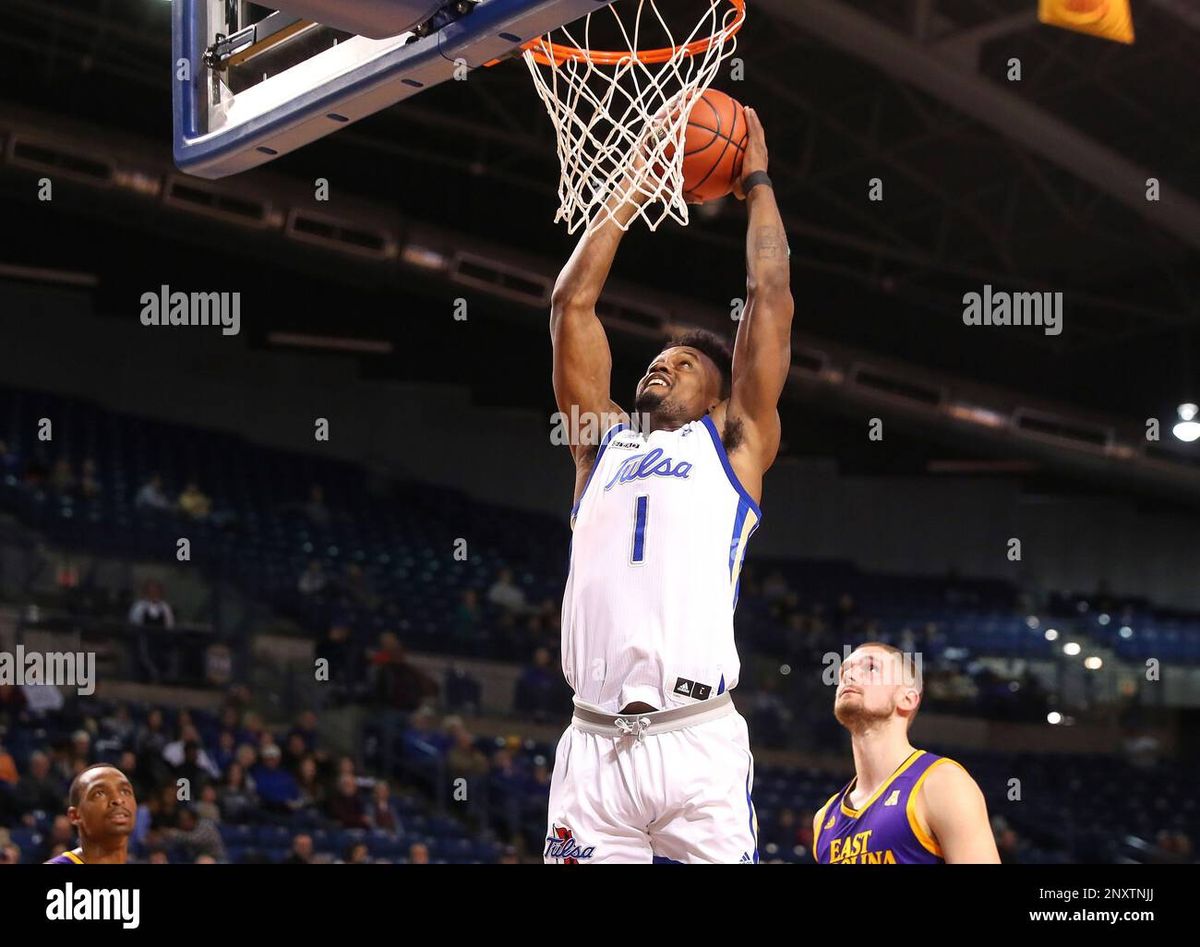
652,464
561,844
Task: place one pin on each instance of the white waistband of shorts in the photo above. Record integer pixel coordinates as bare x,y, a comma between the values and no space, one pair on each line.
590,720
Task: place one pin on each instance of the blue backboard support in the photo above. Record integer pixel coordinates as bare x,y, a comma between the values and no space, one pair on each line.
219,132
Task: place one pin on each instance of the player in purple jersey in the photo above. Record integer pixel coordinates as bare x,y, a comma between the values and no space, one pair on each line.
102,807
904,805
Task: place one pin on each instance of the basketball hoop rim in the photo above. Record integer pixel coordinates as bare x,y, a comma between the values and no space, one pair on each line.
548,53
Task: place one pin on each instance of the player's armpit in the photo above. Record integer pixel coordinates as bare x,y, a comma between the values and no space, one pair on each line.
957,815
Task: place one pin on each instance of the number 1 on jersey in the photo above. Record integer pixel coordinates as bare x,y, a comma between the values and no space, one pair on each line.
640,507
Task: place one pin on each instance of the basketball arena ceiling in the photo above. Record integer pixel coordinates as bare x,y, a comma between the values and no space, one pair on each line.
1034,185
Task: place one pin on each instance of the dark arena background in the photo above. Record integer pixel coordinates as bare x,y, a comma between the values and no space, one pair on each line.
320,561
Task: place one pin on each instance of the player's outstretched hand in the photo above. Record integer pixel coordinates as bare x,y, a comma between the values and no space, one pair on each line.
756,151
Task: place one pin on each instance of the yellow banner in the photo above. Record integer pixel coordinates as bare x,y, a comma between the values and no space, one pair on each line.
1108,19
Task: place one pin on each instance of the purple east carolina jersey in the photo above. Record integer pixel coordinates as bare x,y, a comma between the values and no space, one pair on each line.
884,830
66,858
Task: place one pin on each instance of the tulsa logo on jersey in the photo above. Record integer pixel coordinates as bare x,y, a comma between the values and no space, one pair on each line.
651,464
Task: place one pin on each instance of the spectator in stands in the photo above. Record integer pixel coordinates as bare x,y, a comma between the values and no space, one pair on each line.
207,806
152,496
467,619
312,787
10,854
197,836
236,796
89,483
189,760
225,751
61,834
1007,843
775,586
275,786
8,770
418,854
78,755
151,740
785,830
120,725
312,579
62,478
338,653
846,619
541,691
151,610
505,593
9,777
346,806
158,658
464,758
382,814
37,469
194,503
10,462
315,509
302,851
294,751
306,729
398,684
358,854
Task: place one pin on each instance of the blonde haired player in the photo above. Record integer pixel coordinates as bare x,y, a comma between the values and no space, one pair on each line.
904,805
656,763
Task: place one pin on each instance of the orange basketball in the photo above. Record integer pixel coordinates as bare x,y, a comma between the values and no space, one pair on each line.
714,146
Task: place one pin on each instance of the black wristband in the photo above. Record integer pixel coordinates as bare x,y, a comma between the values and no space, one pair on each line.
751,181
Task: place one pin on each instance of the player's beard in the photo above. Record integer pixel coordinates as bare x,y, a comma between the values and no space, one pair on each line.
854,715
663,411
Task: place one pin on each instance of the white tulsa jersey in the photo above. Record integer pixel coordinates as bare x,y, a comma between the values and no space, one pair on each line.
657,542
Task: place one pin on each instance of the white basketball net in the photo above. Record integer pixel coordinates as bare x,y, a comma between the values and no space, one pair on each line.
604,111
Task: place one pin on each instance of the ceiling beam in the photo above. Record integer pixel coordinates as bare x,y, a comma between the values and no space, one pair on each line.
865,38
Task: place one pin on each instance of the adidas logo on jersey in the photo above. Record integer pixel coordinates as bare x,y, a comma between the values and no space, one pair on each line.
746,859
893,798
686,688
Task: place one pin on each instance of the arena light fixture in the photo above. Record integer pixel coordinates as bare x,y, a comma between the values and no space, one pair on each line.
1188,428
1054,717
1071,648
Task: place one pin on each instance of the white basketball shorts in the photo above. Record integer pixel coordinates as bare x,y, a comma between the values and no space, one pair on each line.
668,786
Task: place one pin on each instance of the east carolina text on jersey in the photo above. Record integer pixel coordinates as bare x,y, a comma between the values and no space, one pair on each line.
658,539
885,829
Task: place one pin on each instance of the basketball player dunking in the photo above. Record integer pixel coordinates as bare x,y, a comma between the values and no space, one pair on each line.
656,764
903,806
102,807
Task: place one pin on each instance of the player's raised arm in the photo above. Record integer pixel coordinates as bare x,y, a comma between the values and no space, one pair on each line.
762,354
582,359
957,815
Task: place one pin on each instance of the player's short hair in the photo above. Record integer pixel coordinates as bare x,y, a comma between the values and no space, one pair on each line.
908,666
76,789
712,345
